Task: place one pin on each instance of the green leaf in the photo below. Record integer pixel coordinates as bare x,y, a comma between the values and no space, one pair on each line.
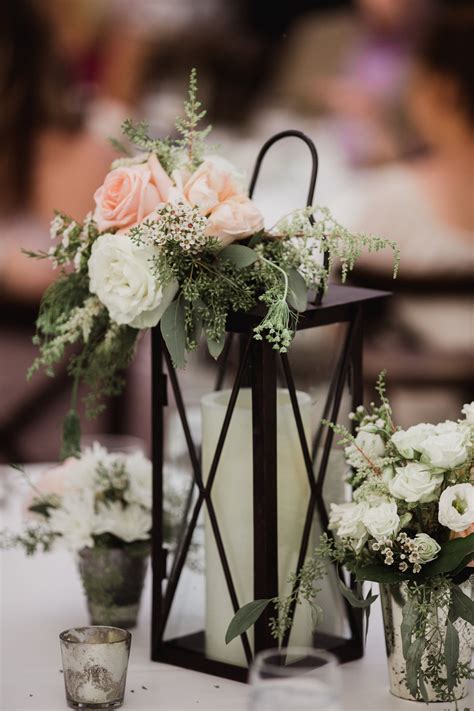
174,332
71,435
451,653
352,598
413,661
422,687
409,618
461,606
239,255
297,290
215,348
378,574
256,239
451,556
245,618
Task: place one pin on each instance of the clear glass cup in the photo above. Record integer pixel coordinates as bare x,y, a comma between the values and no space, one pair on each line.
95,662
296,678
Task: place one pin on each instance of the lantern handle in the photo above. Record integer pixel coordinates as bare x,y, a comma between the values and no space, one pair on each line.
277,137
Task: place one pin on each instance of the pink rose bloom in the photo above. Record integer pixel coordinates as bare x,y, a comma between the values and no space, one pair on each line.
129,194
52,481
235,218
211,184
463,534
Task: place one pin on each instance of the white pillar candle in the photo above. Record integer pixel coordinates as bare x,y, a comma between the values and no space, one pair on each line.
232,499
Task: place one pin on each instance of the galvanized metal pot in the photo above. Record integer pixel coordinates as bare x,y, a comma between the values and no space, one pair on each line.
393,597
113,581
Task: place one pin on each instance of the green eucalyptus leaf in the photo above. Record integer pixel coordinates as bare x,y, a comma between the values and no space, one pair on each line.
352,598
297,290
452,554
409,618
71,435
256,239
422,687
461,606
215,348
174,332
239,255
451,653
245,618
378,574
413,661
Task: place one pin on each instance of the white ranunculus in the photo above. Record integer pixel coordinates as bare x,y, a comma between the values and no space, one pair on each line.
370,443
408,442
121,276
415,482
456,507
140,480
468,412
382,521
445,450
129,523
427,548
75,519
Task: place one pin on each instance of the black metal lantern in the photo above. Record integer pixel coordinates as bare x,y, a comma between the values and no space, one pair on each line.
260,370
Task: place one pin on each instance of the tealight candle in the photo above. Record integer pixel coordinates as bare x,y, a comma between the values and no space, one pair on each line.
95,661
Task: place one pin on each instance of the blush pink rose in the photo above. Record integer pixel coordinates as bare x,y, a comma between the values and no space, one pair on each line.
52,481
211,184
130,193
235,218
463,534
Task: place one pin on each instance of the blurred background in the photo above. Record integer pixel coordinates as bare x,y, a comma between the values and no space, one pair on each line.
385,88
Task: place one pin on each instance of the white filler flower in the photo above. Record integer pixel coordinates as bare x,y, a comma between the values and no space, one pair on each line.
131,523
415,482
456,507
74,520
468,412
121,276
140,480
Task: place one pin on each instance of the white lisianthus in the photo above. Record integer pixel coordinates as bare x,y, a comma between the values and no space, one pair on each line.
121,276
382,521
426,547
370,443
408,442
346,520
445,450
129,523
415,482
74,520
468,412
456,507
140,480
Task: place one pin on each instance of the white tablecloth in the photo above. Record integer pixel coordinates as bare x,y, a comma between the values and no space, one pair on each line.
41,596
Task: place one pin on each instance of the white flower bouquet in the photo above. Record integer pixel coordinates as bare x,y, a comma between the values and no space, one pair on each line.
410,524
174,239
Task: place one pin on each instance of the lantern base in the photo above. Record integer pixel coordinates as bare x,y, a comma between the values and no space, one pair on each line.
188,652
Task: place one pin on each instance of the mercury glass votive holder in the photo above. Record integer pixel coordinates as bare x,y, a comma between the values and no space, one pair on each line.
95,661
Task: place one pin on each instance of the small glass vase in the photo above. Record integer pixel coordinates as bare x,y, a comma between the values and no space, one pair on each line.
393,598
113,580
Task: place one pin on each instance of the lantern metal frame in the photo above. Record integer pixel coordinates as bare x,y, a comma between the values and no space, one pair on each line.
262,366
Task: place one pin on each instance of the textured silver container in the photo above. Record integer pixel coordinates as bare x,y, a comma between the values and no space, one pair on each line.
113,581
393,598
95,661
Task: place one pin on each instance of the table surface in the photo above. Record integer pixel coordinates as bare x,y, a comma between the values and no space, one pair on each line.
42,595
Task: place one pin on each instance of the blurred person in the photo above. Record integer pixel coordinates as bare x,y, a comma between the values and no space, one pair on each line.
48,160
427,206
351,65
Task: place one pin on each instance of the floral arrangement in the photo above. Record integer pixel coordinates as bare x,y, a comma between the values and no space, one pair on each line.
100,499
175,240
410,523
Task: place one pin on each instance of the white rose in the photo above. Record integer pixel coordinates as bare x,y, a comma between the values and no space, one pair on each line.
456,507
427,548
129,523
74,520
382,521
346,520
468,412
121,276
445,451
408,442
415,482
140,480
370,443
